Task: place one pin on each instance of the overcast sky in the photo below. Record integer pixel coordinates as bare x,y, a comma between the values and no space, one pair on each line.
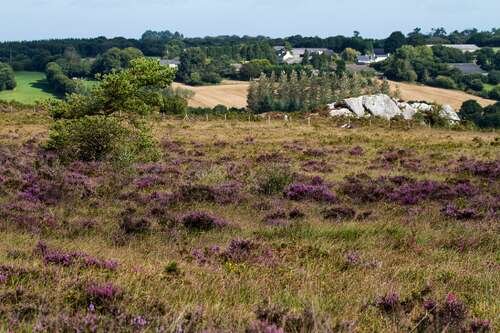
40,19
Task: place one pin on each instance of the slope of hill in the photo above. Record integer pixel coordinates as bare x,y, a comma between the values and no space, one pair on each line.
455,98
245,226
234,94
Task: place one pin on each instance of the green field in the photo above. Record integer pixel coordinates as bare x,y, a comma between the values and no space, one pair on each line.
31,87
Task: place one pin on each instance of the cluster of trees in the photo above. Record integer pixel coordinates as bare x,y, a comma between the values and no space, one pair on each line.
440,36
59,81
115,59
7,77
488,117
430,66
302,92
34,55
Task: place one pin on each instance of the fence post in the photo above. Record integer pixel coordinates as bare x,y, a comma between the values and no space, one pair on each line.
308,121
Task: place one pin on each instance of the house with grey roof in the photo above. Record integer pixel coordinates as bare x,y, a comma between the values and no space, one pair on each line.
377,56
469,68
172,63
296,55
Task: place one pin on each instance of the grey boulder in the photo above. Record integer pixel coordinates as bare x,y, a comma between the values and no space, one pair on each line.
381,106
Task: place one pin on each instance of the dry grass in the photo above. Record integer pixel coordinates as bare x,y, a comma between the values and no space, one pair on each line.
234,94
306,274
455,98
228,93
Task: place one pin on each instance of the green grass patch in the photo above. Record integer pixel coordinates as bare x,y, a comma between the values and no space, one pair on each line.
31,87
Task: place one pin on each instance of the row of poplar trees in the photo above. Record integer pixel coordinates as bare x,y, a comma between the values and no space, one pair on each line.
303,92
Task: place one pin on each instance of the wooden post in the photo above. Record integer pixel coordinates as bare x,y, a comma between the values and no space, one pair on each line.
269,120
308,121
207,116
225,116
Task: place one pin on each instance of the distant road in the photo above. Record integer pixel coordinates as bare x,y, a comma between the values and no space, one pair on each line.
455,98
234,94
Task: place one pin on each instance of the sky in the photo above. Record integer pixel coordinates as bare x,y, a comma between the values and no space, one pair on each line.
43,19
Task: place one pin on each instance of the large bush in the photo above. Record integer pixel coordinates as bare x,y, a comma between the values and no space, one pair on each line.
7,77
174,105
488,117
94,138
104,124
495,93
446,82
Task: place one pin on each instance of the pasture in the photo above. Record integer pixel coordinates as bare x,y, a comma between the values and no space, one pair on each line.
31,87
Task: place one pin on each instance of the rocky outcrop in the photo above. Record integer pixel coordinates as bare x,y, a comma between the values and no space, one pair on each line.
385,107
407,110
449,114
356,106
381,106
341,113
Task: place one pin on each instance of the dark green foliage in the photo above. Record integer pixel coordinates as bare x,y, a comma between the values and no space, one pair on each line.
174,105
494,77
115,59
450,55
7,77
394,42
446,82
488,117
495,93
59,81
273,179
89,138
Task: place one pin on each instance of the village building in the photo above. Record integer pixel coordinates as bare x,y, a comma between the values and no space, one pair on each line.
377,56
296,55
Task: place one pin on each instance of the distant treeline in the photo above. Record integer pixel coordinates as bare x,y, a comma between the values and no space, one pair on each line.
35,55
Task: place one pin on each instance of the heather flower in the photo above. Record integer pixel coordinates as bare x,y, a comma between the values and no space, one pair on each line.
316,166
202,221
238,250
388,302
296,213
356,151
264,327
3,278
460,214
315,152
339,213
299,192
353,258
479,325
453,309
104,292
149,181
430,305
139,321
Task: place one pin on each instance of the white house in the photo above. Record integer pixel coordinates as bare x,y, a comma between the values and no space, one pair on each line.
172,63
296,55
377,56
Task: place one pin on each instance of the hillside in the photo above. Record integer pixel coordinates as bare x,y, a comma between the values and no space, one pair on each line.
234,93
252,227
